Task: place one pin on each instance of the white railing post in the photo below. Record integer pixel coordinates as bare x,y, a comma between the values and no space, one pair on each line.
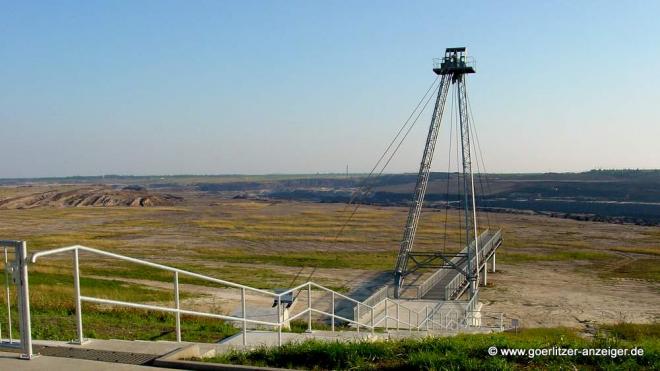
332,320
493,262
24,300
309,307
279,320
177,305
398,319
386,316
426,309
373,325
76,291
243,312
409,321
11,339
357,320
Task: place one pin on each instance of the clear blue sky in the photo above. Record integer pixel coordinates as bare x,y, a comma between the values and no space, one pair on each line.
211,87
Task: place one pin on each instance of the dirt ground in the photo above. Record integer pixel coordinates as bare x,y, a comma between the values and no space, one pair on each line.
552,294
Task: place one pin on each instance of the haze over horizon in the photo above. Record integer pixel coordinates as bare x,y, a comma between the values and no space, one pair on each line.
207,87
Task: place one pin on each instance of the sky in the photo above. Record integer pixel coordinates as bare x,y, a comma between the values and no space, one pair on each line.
262,87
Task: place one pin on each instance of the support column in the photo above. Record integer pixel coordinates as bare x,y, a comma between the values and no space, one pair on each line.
76,292
486,274
23,294
494,262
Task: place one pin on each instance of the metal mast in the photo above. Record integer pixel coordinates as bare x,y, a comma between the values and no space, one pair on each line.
422,182
452,67
468,184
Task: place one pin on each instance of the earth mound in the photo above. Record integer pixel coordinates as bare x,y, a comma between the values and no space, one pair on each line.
101,196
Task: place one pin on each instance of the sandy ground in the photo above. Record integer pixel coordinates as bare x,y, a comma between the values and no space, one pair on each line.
553,294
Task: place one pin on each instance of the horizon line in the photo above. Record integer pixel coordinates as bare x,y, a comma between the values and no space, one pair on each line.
311,174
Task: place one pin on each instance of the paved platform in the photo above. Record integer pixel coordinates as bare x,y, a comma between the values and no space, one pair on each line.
10,361
92,355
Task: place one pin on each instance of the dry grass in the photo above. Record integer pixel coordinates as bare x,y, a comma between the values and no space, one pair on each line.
239,233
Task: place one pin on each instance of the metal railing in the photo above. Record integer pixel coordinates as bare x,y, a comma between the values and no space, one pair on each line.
468,61
402,318
428,317
459,282
16,272
472,303
377,296
485,320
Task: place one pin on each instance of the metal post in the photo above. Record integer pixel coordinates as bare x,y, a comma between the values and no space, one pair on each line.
409,321
332,320
76,292
357,320
373,327
309,307
501,322
177,315
279,320
426,310
244,315
386,317
493,262
24,301
398,319
11,339
486,274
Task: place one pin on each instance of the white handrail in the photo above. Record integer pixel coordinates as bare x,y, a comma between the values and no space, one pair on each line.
40,254
243,318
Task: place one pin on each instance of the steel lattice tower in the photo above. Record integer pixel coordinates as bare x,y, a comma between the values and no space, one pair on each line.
452,68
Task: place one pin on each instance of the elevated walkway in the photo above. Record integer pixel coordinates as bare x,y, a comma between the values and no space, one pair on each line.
450,284
438,295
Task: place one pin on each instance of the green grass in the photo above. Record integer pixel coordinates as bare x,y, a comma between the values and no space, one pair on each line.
506,256
643,269
300,326
128,324
374,260
633,331
463,352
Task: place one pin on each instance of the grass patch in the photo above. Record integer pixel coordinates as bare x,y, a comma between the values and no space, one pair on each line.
633,331
467,352
376,260
643,269
648,250
523,257
127,324
299,326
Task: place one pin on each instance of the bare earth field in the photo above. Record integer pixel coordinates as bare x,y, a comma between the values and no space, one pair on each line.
551,272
